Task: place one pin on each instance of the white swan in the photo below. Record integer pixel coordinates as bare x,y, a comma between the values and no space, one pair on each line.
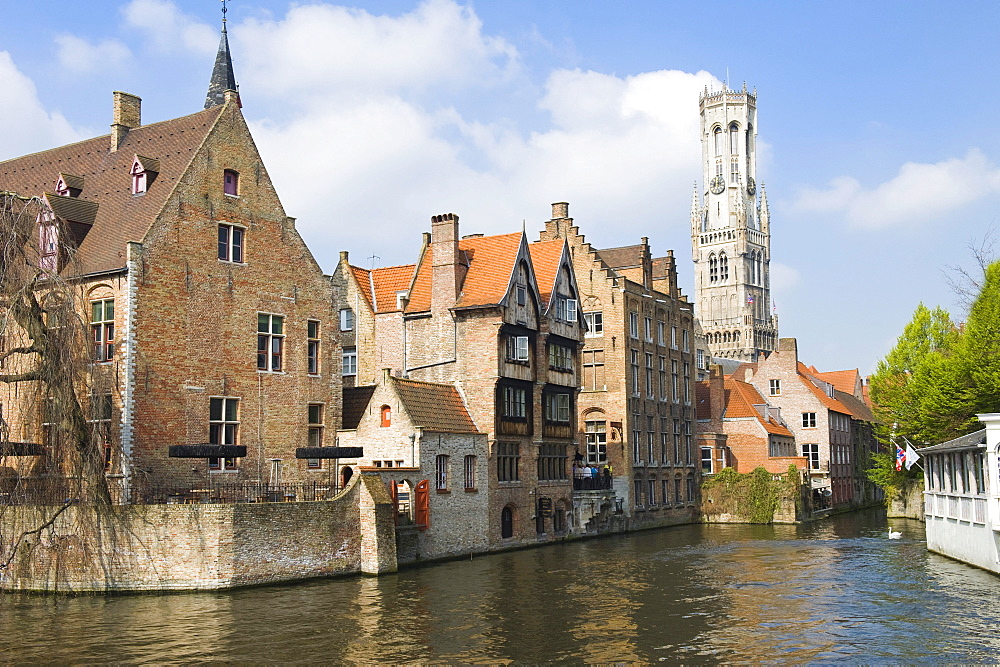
894,535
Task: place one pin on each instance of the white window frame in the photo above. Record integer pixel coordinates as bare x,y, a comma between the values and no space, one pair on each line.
223,431
229,250
274,349
346,317
350,361
595,324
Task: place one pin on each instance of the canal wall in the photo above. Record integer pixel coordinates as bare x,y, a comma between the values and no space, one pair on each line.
907,502
197,547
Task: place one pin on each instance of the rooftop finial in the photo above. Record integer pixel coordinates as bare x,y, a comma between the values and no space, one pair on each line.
223,78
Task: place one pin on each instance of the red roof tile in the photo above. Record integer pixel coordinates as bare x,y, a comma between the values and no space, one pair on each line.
388,280
434,407
545,256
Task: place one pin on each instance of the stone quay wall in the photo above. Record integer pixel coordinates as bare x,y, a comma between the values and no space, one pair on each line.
198,547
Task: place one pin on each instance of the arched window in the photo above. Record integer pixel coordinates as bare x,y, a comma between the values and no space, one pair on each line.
734,139
723,266
713,268
749,139
386,416
718,141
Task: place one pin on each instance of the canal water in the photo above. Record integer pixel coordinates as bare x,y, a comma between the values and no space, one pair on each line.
835,590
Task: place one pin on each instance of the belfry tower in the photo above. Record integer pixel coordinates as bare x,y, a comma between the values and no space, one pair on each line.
730,231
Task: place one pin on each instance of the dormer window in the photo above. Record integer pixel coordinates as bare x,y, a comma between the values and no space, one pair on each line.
231,183
143,172
69,185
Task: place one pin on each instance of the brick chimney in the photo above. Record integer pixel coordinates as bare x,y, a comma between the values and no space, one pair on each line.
126,115
716,393
444,262
559,226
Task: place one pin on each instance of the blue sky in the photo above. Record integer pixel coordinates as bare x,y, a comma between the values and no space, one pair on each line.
875,120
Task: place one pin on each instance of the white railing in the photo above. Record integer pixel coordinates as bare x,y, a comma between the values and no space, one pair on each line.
968,508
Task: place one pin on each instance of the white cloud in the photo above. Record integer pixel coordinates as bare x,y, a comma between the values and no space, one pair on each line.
169,29
918,193
78,55
323,50
366,175
783,277
28,126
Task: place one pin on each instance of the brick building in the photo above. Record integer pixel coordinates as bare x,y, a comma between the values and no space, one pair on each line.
636,404
497,318
738,428
832,428
211,323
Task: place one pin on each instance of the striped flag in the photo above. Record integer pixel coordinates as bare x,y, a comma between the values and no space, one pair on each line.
900,457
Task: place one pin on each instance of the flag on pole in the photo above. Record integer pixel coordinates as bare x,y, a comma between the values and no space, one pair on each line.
900,457
911,456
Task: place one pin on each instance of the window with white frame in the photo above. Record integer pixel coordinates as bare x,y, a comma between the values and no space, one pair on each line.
687,383
634,364
651,493
595,323
774,387
706,460
650,389
673,338
674,382
441,472
223,429
346,319
557,408
633,325
231,243
663,378
808,420
270,342
566,309
648,329
811,452
102,329
350,361
517,348
597,441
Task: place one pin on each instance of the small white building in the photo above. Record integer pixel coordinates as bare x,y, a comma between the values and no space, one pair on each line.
962,496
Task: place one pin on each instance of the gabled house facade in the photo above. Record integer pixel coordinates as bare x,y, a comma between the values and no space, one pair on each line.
738,428
420,438
636,407
498,319
212,357
832,429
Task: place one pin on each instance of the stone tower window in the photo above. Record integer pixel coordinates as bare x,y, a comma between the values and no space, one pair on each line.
734,139
718,141
723,267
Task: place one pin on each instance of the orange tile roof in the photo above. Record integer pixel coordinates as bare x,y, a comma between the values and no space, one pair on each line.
545,256
845,381
825,399
490,261
741,398
121,217
363,278
388,280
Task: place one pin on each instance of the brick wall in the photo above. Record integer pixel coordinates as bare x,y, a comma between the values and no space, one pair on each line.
185,547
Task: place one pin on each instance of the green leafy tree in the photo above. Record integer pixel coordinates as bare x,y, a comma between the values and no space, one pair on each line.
980,347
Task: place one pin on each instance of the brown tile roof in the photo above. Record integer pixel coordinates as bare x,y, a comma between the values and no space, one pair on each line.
661,266
858,408
434,407
490,261
356,401
121,217
623,257
545,256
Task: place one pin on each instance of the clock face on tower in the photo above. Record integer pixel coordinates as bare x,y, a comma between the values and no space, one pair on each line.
717,185
751,186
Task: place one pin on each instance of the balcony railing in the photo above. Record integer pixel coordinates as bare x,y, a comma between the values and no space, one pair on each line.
599,483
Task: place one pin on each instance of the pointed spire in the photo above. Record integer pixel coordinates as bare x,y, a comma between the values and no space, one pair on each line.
765,214
223,78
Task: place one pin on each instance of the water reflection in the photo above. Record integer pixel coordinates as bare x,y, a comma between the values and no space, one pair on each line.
832,591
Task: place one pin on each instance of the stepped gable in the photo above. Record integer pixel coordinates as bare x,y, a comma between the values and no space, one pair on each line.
434,407
545,258
121,217
489,261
